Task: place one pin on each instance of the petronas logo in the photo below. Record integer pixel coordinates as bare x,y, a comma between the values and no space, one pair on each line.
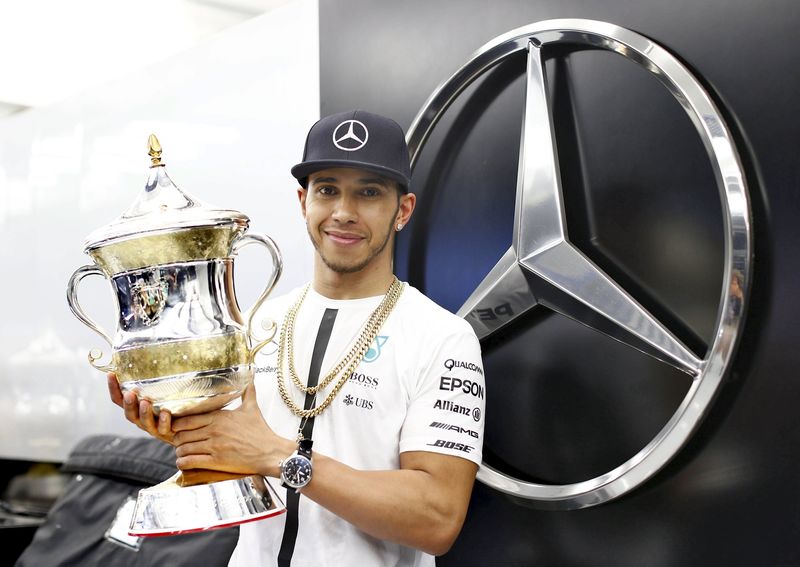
375,348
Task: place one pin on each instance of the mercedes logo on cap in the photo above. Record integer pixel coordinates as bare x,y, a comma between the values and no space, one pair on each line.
350,135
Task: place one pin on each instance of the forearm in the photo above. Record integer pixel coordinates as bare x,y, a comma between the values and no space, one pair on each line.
400,505
405,506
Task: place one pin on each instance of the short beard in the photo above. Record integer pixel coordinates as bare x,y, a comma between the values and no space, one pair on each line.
351,269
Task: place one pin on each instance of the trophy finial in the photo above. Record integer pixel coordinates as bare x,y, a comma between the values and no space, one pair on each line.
154,147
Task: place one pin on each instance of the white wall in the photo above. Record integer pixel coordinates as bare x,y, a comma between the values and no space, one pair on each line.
231,116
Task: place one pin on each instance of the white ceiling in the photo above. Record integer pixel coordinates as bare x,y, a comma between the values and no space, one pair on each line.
51,49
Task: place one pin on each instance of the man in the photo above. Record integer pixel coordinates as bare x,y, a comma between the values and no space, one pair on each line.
387,385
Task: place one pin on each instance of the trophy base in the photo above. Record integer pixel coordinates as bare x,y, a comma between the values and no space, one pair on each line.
192,392
169,509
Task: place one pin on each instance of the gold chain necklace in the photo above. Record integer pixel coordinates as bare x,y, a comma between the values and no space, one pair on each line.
356,354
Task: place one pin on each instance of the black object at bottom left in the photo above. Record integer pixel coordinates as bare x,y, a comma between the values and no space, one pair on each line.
88,524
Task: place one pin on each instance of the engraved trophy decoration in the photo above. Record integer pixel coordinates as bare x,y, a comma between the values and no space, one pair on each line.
181,341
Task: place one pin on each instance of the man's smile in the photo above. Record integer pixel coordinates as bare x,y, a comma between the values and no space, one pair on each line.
344,238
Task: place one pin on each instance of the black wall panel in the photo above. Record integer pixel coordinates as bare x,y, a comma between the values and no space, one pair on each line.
564,402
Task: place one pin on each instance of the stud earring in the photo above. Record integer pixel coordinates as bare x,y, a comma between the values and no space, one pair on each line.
399,226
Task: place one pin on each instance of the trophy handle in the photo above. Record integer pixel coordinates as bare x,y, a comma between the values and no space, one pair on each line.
277,264
77,310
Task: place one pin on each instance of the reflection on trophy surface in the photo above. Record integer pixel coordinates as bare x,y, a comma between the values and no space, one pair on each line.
181,341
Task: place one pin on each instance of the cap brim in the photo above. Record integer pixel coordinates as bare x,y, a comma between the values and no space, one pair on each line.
301,171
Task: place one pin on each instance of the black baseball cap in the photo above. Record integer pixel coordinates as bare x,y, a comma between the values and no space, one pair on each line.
357,139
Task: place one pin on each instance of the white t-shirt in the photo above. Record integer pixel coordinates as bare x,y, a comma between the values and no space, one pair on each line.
420,387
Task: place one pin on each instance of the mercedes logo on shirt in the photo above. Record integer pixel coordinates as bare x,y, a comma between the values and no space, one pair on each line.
350,135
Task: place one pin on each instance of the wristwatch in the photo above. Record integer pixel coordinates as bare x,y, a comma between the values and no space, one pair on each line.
296,468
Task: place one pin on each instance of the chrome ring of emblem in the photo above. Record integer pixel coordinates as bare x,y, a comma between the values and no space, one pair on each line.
540,245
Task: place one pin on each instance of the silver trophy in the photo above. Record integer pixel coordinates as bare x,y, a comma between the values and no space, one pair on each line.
181,341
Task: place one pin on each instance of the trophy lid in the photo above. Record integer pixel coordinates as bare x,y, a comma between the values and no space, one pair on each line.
162,207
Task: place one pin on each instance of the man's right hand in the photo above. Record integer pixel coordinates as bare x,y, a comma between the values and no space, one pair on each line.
140,412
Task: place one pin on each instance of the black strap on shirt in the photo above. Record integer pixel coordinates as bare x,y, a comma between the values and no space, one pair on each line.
292,497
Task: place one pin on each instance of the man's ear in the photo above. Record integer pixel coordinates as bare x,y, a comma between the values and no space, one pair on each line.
406,208
301,196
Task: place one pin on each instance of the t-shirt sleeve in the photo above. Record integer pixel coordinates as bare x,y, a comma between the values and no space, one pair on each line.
446,409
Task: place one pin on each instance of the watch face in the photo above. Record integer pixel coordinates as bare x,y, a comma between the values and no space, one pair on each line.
296,471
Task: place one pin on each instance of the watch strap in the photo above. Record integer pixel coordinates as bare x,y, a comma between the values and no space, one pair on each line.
280,469
304,447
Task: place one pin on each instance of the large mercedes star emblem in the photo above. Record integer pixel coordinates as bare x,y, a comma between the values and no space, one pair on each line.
541,247
350,135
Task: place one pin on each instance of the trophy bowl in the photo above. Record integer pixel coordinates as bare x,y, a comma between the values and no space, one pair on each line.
180,341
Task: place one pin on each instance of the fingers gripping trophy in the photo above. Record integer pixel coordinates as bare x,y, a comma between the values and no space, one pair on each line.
181,341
